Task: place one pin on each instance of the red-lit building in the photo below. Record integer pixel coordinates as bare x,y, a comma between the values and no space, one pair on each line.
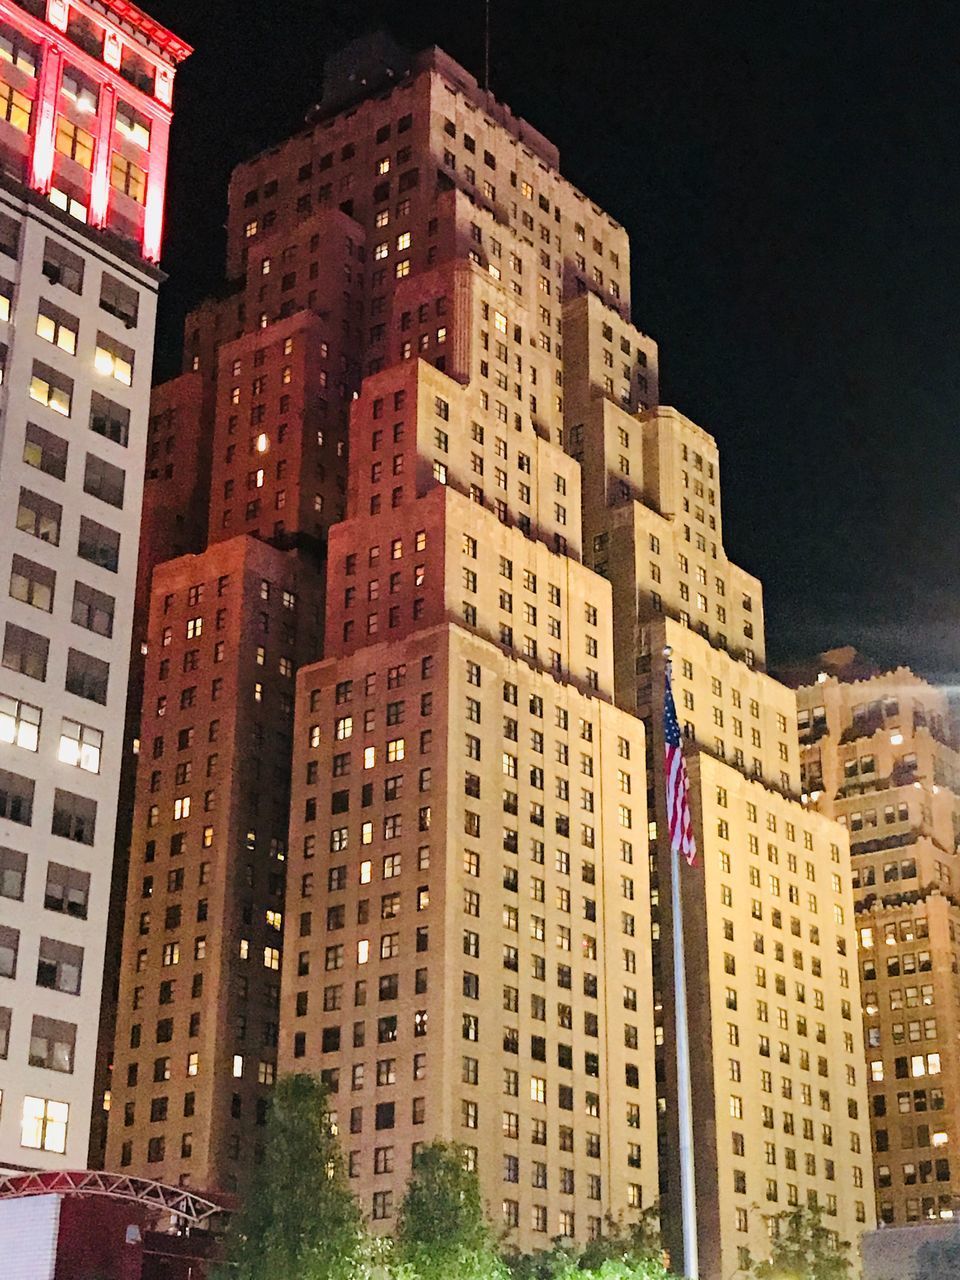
85,108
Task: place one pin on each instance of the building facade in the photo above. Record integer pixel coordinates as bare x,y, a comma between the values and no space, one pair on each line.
423,382
468,952
86,94
197,1021
877,756
779,1095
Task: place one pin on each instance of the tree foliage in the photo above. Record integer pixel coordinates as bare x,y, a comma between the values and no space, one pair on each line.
442,1229
629,1251
300,1219
803,1249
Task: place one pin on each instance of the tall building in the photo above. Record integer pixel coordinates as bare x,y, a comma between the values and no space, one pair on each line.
86,93
197,1019
779,1097
424,383
468,951
314,283
878,757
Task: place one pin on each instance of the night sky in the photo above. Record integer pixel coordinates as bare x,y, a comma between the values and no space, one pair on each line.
789,175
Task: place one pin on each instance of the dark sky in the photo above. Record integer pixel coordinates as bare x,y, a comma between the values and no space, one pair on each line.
789,174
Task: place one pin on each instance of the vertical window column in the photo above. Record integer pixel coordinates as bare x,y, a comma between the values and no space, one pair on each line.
100,186
156,184
48,88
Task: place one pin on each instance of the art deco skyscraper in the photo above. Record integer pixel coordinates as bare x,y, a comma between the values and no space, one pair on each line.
779,1097
402,227
85,110
877,756
508,531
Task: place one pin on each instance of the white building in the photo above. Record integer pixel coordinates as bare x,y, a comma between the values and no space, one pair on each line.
84,117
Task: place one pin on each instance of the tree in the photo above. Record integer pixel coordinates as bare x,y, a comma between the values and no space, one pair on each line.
637,1243
622,1252
803,1249
442,1229
299,1220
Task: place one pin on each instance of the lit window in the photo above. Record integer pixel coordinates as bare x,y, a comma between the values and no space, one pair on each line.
74,142
80,745
19,723
113,362
15,108
44,1124
132,125
128,178
69,204
60,330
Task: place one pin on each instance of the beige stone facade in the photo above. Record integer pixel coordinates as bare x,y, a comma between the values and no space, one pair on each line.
476,964
877,757
769,922
476,939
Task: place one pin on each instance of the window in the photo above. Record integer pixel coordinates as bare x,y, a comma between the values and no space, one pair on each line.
32,583
61,266
16,797
59,966
109,419
93,609
19,723
99,544
52,1044
13,870
15,108
74,817
43,1126
80,745
113,359
67,890
104,481
117,298
45,451
57,327
74,142
127,177
87,677
39,517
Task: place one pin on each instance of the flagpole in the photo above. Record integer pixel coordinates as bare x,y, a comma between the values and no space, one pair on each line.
688,1198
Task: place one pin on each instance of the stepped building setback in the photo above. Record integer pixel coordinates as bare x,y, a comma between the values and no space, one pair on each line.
423,415
85,109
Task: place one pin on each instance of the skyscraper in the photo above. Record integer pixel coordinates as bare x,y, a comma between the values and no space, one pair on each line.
86,96
425,385
779,1098
877,756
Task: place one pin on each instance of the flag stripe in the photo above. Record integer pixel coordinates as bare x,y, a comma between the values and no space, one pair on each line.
679,820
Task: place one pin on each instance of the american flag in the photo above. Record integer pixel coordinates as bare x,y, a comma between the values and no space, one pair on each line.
678,785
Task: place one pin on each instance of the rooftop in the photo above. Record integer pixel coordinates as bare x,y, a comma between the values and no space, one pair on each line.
134,20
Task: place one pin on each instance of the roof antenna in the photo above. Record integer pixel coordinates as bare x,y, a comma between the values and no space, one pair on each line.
486,46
